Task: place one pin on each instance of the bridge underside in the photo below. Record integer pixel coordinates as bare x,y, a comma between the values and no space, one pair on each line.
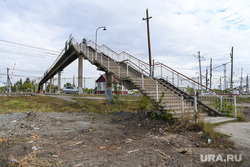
67,58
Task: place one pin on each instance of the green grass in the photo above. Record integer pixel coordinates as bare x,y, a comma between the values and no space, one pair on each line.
243,99
36,103
99,106
50,104
121,97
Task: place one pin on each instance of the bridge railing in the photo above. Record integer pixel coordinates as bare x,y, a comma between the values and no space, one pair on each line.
132,62
67,45
226,103
121,57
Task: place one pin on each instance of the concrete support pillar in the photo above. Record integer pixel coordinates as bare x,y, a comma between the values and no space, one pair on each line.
41,87
45,87
50,83
53,85
59,82
108,87
80,74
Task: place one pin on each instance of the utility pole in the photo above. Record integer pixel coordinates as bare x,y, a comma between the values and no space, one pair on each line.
8,81
200,59
84,85
220,84
241,88
74,80
210,73
247,85
206,78
225,76
149,48
231,83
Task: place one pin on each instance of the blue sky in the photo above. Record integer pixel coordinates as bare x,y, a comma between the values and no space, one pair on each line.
178,29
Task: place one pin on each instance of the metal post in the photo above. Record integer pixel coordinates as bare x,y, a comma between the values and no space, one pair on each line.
127,69
182,104
173,78
157,98
235,107
195,99
119,69
178,80
104,29
142,80
161,70
221,103
140,66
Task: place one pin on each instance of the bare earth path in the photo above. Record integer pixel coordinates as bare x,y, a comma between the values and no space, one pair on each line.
240,133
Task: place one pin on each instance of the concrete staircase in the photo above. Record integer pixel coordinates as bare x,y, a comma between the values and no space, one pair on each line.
161,84
174,101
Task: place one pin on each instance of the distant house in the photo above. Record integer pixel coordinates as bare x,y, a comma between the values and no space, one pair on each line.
100,86
236,91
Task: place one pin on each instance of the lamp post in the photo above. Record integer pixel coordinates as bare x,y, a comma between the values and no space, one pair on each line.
104,29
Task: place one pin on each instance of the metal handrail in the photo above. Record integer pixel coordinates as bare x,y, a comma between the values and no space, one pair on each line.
138,64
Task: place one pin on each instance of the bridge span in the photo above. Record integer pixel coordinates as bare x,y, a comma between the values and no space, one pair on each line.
171,90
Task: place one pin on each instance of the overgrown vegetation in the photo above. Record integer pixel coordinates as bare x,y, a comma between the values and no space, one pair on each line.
241,117
158,112
243,99
99,106
227,108
117,90
205,133
145,103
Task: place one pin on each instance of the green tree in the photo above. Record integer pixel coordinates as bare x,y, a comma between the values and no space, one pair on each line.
67,84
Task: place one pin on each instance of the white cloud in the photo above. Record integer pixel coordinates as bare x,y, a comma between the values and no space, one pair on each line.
178,30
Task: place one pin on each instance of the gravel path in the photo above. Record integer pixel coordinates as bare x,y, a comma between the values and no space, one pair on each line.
240,134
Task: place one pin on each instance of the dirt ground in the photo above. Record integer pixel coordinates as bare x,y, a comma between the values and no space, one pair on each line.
75,139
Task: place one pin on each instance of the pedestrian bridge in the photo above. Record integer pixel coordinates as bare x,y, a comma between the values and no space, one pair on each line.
173,91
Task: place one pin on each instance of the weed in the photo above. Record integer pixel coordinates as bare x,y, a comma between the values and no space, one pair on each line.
27,161
7,142
224,107
241,117
158,112
243,99
145,103
117,91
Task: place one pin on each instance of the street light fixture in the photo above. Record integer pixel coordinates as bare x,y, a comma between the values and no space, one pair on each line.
104,29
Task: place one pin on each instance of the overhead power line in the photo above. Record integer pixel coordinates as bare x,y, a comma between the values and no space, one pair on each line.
34,47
